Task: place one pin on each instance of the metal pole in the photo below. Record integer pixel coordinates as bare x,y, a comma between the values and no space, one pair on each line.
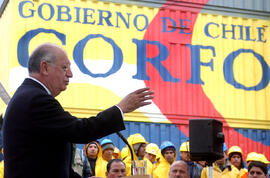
129,147
210,173
4,94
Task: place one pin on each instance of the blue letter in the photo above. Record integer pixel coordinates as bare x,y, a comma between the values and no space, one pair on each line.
225,31
51,10
206,30
107,19
164,24
248,34
156,61
77,15
228,70
196,63
183,27
135,22
118,14
260,34
85,10
22,49
60,12
240,32
78,56
21,5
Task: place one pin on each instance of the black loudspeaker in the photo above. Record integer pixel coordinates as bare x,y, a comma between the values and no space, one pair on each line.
205,140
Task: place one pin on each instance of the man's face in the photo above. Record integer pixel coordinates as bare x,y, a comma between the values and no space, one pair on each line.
185,156
58,73
107,154
179,170
169,156
256,172
141,151
151,157
236,160
92,151
222,161
118,169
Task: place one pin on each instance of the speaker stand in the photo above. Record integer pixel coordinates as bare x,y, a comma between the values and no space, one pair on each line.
210,173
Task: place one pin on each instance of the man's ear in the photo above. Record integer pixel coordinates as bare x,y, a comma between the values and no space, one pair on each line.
106,173
44,68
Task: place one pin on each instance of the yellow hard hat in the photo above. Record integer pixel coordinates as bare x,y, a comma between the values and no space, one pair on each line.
252,156
130,138
124,153
116,152
235,149
152,148
136,138
263,159
184,146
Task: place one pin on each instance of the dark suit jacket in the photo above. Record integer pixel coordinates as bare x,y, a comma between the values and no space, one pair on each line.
37,133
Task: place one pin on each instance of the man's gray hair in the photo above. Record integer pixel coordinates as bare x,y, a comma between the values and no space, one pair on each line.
44,52
179,162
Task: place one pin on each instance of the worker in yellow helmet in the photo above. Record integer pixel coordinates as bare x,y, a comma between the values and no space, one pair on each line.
255,157
236,169
150,156
195,169
184,151
138,145
116,153
257,169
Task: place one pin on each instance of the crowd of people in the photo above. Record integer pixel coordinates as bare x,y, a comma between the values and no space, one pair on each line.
38,135
161,161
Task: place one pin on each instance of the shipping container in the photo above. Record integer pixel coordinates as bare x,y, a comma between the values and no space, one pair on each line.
203,59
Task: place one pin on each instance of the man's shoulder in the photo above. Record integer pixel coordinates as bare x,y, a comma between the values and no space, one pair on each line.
29,88
29,83
29,92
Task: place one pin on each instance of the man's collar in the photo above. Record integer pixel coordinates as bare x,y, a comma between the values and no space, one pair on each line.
41,84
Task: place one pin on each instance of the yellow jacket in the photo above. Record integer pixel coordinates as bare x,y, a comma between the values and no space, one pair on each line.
150,167
101,167
162,170
99,162
234,173
128,160
216,172
2,169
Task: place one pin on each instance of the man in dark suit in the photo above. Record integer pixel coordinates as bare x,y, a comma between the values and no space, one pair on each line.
38,133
